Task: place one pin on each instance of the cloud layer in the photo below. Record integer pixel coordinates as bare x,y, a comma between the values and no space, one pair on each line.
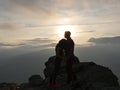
24,61
50,11
105,40
43,42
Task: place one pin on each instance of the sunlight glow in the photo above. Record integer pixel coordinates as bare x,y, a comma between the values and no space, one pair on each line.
62,29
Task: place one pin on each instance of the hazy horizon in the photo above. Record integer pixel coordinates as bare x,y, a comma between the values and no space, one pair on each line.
30,29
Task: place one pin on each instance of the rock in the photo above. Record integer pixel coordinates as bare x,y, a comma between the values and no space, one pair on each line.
90,76
35,80
50,65
111,88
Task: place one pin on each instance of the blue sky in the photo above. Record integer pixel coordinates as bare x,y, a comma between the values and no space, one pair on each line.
28,26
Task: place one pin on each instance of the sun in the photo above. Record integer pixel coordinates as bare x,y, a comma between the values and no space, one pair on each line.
63,28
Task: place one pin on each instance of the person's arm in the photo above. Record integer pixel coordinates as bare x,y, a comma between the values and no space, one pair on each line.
57,52
71,53
71,50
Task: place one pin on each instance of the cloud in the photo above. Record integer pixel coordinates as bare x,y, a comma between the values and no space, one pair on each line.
39,40
42,42
9,26
35,10
50,12
102,55
31,5
105,40
11,45
107,55
86,31
50,45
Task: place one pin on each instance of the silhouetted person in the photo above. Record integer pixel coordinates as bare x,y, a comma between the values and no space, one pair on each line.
60,48
64,48
69,52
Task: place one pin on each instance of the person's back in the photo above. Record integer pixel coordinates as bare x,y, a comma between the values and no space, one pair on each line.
69,47
59,49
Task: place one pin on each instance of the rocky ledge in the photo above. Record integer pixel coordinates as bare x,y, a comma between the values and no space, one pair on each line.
90,76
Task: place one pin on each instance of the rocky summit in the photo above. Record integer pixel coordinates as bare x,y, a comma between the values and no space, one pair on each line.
90,76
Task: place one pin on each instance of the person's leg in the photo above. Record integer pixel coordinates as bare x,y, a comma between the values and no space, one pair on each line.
56,70
70,72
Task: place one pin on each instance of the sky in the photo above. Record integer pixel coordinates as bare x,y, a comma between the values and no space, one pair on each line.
29,27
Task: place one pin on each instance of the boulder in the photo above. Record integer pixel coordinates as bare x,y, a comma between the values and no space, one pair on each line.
35,80
90,76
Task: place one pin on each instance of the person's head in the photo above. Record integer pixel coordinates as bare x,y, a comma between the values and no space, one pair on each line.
67,34
62,43
60,47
